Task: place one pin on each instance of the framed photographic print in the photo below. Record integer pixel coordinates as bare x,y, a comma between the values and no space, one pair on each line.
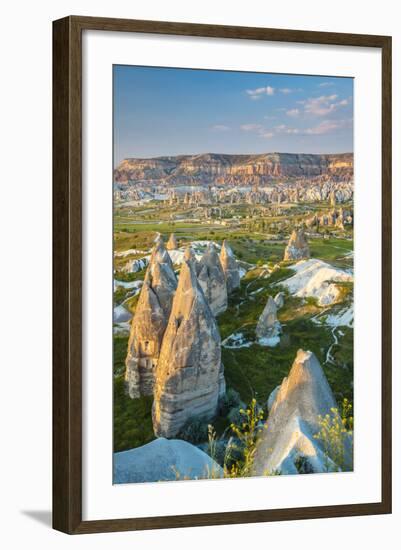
222,275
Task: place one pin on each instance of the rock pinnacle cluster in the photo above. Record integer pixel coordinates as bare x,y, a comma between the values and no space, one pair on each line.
189,377
149,323
297,248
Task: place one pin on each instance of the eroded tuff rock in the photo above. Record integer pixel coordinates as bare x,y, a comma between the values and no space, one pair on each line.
172,243
149,323
297,248
230,267
189,256
163,281
160,254
189,377
147,329
212,280
279,299
268,328
294,419
164,460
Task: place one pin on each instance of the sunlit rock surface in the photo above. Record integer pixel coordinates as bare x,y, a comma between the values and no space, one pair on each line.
230,267
294,419
297,248
189,376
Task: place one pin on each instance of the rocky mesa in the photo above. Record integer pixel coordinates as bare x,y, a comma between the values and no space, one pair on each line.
208,169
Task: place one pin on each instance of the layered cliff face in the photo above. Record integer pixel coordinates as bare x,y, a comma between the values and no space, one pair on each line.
235,169
189,376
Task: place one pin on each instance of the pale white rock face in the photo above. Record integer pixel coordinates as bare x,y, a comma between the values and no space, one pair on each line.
268,328
279,299
164,283
294,419
147,329
230,267
189,376
160,254
317,279
172,243
164,460
297,248
212,280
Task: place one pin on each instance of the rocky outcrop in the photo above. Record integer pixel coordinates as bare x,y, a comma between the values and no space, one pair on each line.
279,299
149,323
294,420
172,243
164,460
163,281
147,329
189,376
212,280
297,248
230,267
160,254
190,257
232,169
268,328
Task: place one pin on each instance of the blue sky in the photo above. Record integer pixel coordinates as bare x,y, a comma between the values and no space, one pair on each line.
161,111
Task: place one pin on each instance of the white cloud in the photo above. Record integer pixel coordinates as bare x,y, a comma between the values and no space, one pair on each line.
258,93
328,127
266,134
285,90
326,84
293,112
220,128
322,105
251,127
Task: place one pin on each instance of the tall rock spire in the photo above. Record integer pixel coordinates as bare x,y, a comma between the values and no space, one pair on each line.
294,419
230,267
149,323
268,327
172,243
147,329
297,248
189,377
160,254
212,280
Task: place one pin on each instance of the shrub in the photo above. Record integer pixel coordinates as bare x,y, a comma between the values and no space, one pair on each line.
194,431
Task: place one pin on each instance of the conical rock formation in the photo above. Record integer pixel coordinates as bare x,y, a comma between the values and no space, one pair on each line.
268,328
294,419
149,323
160,254
279,299
230,267
147,329
297,248
172,243
212,280
189,256
189,373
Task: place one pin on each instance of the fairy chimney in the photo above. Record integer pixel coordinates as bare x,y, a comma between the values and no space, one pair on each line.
268,327
149,323
230,267
172,243
212,280
147,329
297,248
189,377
